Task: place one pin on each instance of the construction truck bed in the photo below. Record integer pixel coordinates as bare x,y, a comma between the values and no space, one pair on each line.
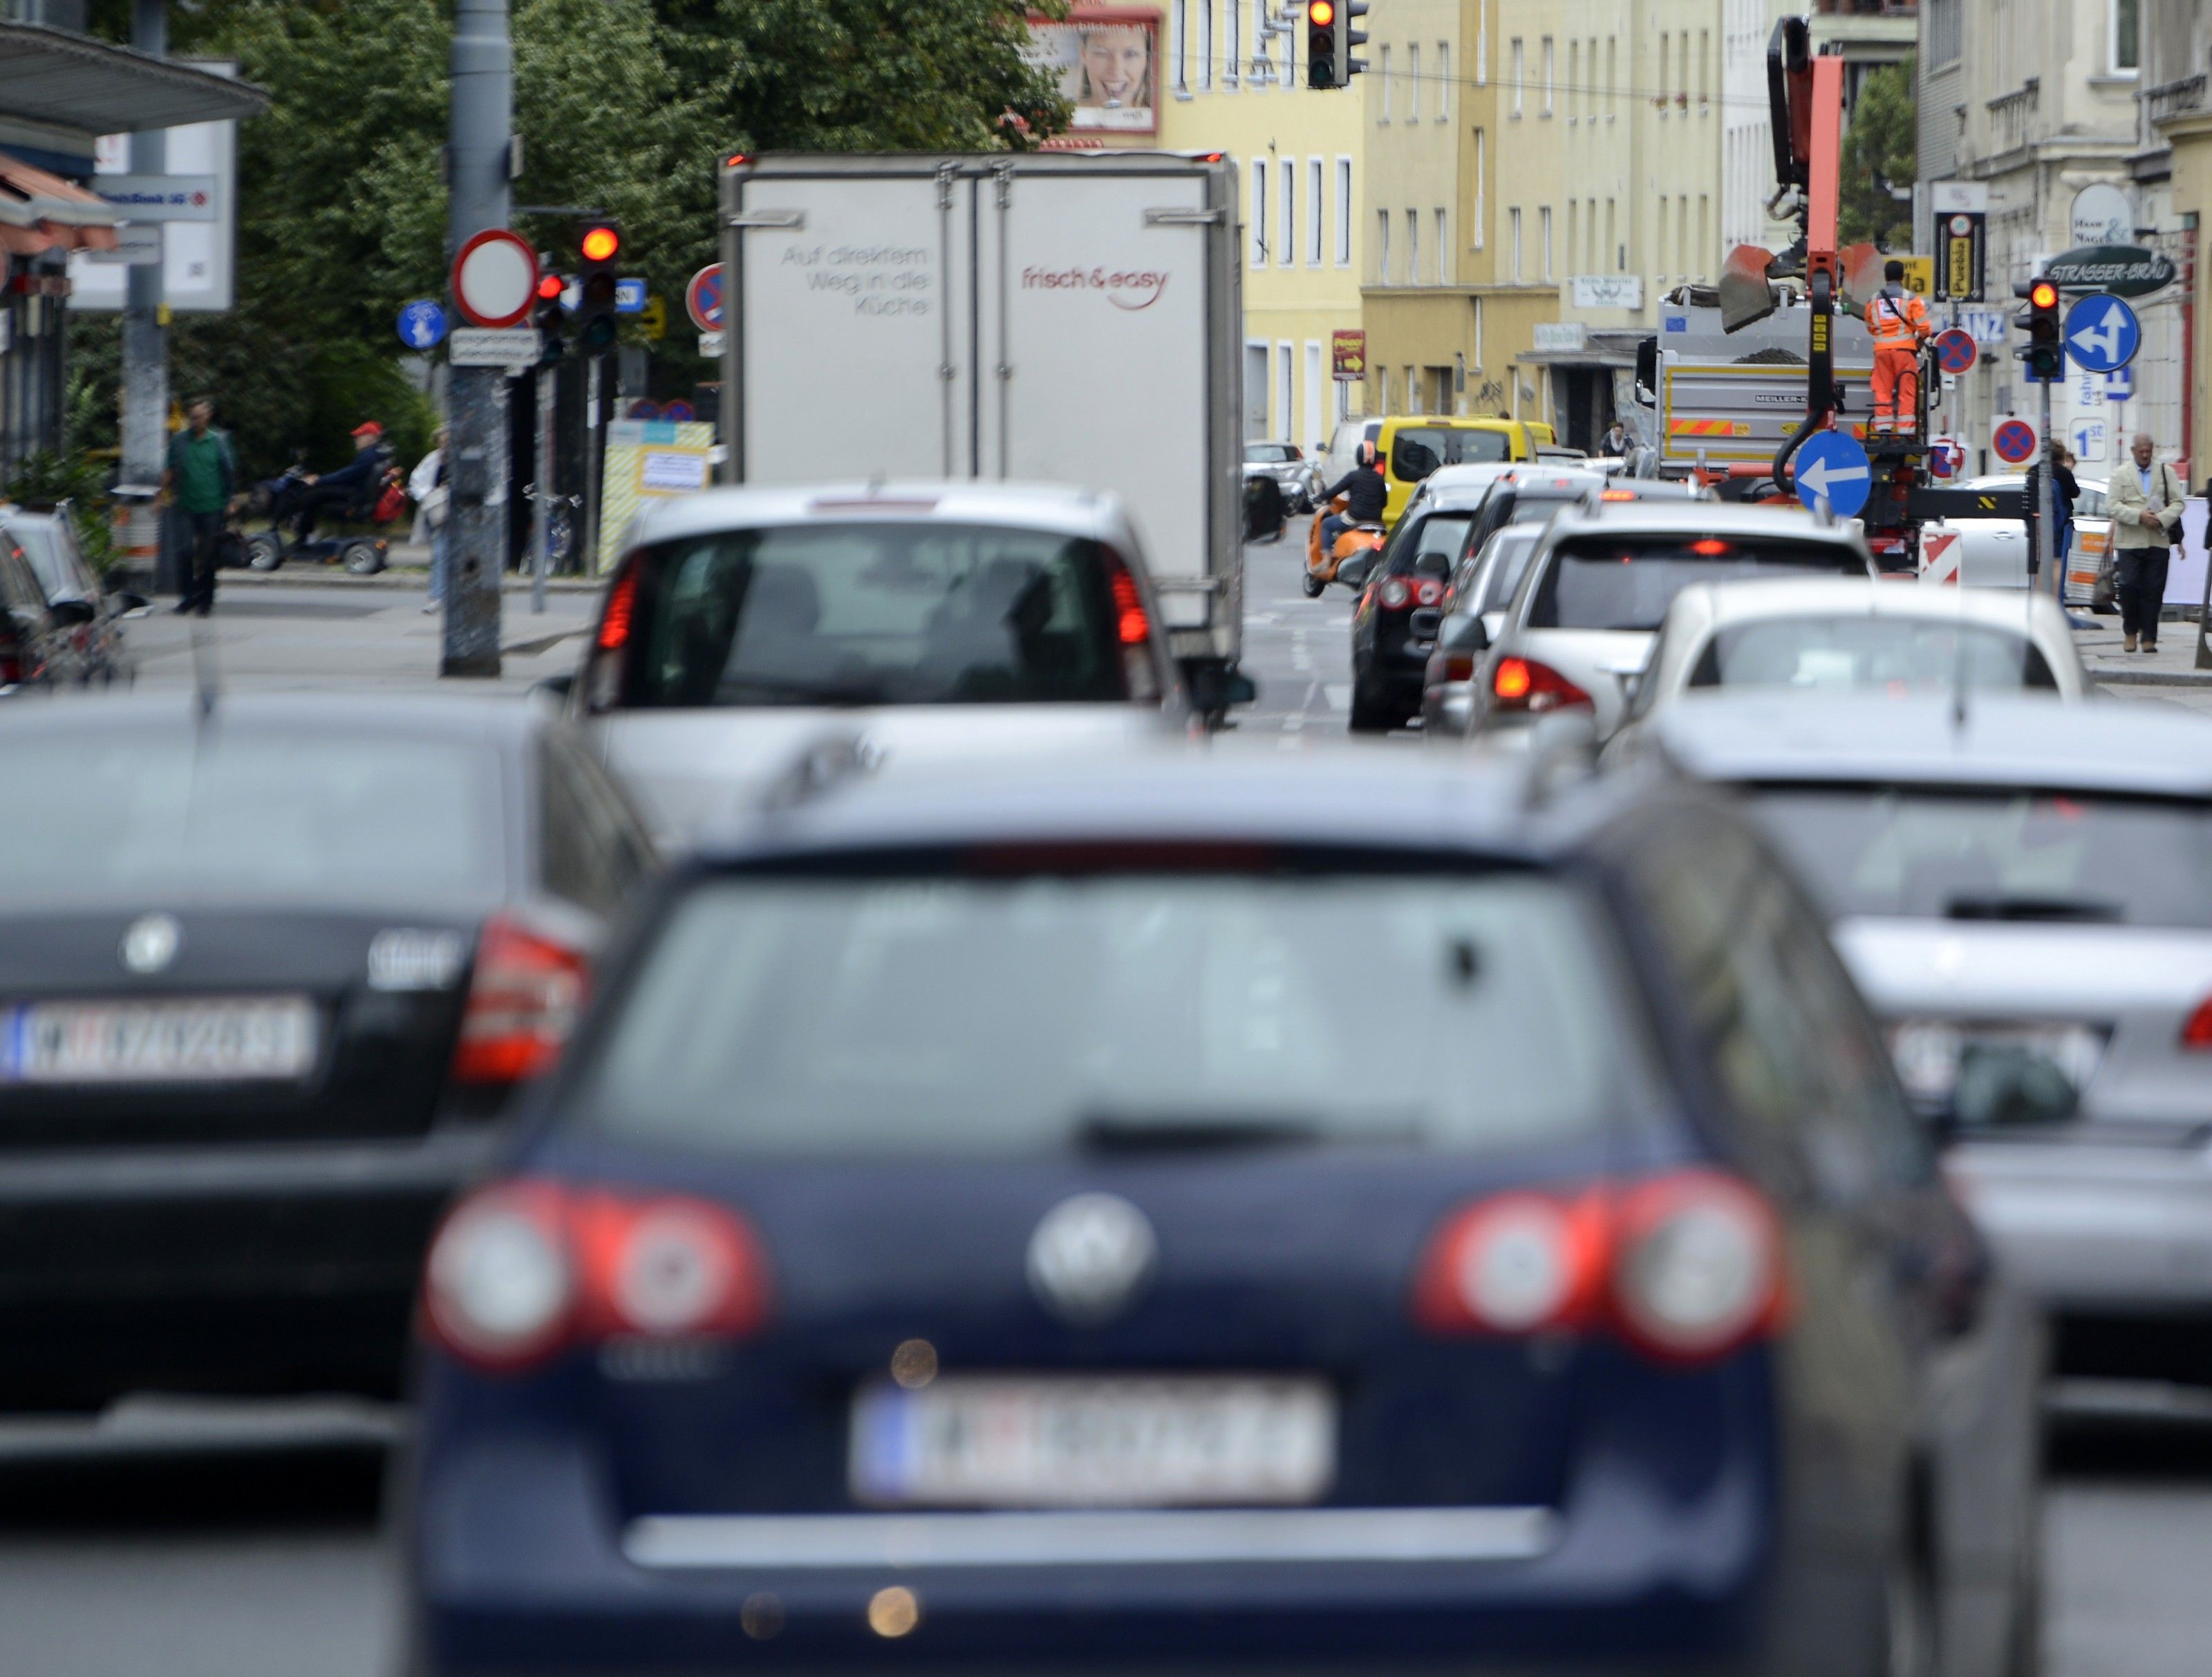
1734,397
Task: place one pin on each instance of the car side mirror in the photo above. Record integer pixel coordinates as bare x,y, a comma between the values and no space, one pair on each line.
71,613
1216,688
1352,571
1464,634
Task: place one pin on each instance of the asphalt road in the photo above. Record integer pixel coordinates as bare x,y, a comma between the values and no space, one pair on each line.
173,1544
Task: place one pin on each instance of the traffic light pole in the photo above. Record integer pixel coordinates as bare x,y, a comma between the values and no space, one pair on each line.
541,502
2046,519
479,155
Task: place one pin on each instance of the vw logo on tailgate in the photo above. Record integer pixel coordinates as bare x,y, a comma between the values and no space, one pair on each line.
1089,1257
151,943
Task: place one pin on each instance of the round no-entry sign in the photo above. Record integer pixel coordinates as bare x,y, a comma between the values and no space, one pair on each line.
702,298
2013,442
495,278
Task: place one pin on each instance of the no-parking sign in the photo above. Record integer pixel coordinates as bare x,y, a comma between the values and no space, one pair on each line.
2014,441
1946,457
702,298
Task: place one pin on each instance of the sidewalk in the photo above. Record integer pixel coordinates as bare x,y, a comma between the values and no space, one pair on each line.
407,567
2174,664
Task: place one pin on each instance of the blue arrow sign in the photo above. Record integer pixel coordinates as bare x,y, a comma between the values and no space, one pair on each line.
1831,465
629,296
2102,334
422,325
2120,384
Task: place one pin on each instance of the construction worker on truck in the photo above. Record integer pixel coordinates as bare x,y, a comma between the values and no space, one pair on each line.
1899,321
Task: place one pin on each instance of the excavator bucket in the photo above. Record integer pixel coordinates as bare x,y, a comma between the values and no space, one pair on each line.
1862,270
1745,295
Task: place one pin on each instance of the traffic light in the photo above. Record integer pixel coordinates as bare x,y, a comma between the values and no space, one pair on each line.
2044,352
599,243
1320,43
545,315
1329,40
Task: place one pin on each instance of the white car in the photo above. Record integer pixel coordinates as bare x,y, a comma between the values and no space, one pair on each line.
1804,637
921,621
1993,552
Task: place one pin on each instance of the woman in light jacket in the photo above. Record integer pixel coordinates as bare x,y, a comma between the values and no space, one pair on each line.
427,485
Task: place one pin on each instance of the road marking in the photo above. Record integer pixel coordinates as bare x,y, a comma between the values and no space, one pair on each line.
1339,694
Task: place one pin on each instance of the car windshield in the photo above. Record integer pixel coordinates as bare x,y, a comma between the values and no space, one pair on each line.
955,1015
1626,582
1418,450
875,612
307,818
2008,855
1897,654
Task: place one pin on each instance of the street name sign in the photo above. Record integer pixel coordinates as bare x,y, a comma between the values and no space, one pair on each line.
1832,466
482,346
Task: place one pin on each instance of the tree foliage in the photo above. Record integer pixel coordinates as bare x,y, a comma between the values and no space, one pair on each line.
1881,150
623,108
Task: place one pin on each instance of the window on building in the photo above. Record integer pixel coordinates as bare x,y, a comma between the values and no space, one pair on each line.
1481,43
1315,208
1703,251
1612,241
1705,56
1574,234
1478,334
1682,236
1611,79
1413,83
1344,212
1412,247
1286,234
1551,75
1481,177
1663,39
2127,37
1682,74
1179,45
1383,69
1943,33
1443,253
1285,371
1205,43
1383,247
1259,212
1544,233
1443,81
1574,80
1232,36
1513,240
1518,77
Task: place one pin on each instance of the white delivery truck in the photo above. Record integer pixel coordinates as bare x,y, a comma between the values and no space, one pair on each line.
1062,317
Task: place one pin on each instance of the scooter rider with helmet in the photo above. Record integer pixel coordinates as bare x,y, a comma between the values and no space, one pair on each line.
1366,492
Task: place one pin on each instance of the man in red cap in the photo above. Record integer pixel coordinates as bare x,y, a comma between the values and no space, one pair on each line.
354,485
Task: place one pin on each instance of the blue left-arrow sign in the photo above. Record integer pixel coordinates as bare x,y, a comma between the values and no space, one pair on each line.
422,325
1832,466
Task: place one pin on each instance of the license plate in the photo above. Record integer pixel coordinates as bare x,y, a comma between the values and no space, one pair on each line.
1014,1442
1930,1054
199,1041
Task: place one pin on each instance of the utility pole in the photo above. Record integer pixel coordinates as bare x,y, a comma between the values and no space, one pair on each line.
145,344
478,153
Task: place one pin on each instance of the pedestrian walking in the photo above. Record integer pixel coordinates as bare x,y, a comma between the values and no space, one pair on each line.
1616,441
200,479
1899,321
2146,500
427,486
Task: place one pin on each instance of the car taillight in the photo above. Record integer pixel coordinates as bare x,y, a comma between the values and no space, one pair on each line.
11,664
1428,591
525,992
1451,666
522,1271
1133,628
1685,1267
2197,1032
1393,595
1524,684
621,603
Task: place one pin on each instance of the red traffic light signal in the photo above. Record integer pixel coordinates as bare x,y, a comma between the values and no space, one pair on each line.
600,244
549,288
2043,294
1321,12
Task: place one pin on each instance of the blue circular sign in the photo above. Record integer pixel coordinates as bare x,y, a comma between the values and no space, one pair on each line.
1954,350
2014,441
1832,466
422,325
2102,333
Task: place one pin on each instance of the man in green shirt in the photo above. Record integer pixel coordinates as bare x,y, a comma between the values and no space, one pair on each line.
200,477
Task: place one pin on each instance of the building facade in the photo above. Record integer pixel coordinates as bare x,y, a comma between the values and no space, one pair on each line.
2173,171
1234,80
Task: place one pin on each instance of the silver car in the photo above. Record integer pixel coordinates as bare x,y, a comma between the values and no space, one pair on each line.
1298,478
1578,629
2024,892
927,620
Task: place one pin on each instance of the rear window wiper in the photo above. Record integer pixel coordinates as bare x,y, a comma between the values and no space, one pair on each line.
2030,908
1116,1132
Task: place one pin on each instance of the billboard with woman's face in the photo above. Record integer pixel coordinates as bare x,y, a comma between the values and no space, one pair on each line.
1107,60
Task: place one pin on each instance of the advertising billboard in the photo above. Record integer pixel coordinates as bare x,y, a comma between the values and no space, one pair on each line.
1107,60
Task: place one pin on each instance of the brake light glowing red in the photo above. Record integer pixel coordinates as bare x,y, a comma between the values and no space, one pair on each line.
1132,625
525,992
621,601
1616,494
1710,548
1685,1267
1524,684
522,1271
2197,1032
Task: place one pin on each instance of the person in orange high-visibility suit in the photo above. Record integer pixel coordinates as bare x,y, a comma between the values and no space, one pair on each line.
1899,321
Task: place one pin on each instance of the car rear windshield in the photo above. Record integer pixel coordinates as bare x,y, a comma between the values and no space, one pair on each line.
1505,555
875,612
1895,654
962,1016
1418,450
305,818
1627,582
2011,855
1437,540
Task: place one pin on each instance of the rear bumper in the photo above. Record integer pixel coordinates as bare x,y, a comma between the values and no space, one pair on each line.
519,1563
267,1269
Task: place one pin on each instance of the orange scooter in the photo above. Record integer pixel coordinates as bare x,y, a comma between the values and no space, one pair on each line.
1321,567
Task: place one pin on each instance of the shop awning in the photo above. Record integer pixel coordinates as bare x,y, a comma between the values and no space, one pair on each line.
71,81
43,212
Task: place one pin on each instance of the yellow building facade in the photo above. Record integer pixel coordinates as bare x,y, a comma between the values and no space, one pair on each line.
1232,81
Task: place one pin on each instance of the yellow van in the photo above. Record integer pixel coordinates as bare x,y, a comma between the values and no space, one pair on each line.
1412,447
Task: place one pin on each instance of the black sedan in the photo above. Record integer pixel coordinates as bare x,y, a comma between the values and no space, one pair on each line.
268,971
